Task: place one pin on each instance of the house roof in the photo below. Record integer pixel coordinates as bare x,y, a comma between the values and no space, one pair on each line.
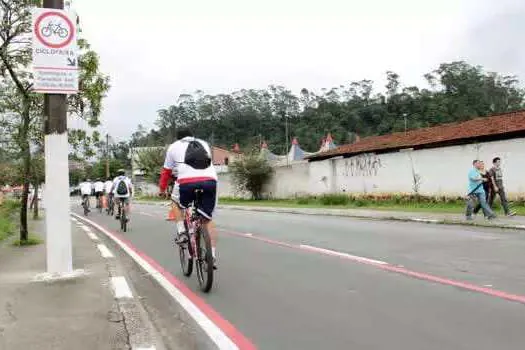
484,128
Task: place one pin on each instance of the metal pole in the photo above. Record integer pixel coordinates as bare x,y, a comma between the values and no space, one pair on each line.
58,225
107,156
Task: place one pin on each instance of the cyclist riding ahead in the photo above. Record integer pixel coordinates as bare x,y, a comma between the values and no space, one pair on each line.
107,189
85,190
99,192
122,190
191,158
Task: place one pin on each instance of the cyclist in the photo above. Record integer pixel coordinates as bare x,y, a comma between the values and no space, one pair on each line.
107,190
85,190
192,159
99,191
122,189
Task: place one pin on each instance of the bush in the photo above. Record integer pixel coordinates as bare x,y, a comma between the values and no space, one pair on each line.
335,199
251,173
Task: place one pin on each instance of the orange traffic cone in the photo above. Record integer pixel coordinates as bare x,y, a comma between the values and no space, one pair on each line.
171,214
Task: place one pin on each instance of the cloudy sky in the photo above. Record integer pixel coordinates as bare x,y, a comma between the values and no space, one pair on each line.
155,50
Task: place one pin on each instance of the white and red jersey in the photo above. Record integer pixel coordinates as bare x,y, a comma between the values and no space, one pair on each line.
185,173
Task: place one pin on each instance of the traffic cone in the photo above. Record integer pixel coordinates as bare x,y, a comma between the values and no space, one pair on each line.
171,214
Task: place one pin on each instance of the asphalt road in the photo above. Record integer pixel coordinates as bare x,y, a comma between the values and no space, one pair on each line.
284,297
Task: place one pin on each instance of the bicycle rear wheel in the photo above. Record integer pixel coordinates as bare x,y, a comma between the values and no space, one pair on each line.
204,259
123,220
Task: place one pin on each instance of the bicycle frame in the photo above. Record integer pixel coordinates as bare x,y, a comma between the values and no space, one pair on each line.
193,221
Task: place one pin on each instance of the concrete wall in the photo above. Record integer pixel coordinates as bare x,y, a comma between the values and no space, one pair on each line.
438,171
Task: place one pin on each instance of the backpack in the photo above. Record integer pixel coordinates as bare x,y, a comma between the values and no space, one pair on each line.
122,188
196,156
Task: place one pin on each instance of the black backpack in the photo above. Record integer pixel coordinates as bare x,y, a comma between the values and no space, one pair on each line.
196,156
122,188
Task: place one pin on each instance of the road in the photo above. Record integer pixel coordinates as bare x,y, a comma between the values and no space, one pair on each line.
380,284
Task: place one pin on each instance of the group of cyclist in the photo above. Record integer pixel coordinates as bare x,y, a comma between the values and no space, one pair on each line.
119,188
189,165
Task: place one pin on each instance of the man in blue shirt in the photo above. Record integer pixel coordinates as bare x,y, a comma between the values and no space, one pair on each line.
476,192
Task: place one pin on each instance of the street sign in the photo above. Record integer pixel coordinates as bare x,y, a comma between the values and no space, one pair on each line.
55,63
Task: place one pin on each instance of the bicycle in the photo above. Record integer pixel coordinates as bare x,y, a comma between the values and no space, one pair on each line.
85,205
99,203
197,240
122,215
54,29
110,210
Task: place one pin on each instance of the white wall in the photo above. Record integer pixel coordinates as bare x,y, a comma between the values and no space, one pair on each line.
440,171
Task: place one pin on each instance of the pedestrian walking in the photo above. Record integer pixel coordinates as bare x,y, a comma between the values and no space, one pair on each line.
476,192
488,185
497,174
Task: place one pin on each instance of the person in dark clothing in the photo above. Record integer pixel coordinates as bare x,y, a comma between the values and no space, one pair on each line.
497,175
487,185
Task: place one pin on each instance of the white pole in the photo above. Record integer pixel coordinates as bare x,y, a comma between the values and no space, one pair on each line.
58,225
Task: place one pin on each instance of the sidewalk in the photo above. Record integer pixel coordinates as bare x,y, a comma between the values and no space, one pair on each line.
516,222
81,313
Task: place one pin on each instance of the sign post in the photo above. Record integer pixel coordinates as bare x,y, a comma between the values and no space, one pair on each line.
55,69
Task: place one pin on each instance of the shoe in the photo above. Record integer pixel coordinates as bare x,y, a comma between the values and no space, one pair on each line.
512,213
469,218
117,217
214,263
181,238
492,217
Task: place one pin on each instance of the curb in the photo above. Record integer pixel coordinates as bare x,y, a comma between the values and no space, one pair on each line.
141,334
222,334
377,218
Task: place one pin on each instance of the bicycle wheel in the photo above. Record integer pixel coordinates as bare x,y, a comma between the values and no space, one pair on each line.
204,259
123,220
186,255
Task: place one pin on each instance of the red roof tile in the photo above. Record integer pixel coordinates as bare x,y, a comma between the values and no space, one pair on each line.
479,127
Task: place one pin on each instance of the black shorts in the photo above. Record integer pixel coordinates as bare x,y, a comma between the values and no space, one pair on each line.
184,195
99,194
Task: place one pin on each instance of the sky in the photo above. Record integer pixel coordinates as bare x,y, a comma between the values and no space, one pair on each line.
156,50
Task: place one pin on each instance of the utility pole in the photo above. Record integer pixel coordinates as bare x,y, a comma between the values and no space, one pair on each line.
107,156
58,225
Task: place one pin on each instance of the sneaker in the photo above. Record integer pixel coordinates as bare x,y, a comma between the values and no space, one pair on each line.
181,238
512,213
215,263
492,217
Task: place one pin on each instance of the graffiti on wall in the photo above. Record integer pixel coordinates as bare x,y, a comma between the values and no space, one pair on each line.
362,165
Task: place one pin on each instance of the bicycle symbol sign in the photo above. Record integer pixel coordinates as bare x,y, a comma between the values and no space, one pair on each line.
54,30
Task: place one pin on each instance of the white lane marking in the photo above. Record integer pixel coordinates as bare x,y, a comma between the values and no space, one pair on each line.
74,220
147,214
212,330
341,255
424,220
248,234
150,348
121,288
85,228
92,236
105,252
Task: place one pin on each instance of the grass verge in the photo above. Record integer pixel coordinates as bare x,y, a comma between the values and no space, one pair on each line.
7,224
32,240
390,203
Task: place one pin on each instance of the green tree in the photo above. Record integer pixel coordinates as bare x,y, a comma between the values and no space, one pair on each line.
151,160
250,174
20,107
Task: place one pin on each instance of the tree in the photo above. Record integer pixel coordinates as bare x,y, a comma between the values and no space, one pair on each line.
151,160
458,91
251,173
20,107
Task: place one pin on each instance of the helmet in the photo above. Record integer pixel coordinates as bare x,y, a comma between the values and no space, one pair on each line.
121,172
